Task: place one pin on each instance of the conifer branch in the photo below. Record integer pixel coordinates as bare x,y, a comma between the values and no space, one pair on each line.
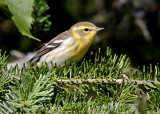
80,81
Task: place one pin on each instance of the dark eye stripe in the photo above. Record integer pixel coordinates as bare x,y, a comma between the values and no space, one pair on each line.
86,29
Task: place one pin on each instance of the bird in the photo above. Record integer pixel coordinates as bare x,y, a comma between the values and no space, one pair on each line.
68,46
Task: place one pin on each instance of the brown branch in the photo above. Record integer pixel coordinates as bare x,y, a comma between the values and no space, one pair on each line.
80,81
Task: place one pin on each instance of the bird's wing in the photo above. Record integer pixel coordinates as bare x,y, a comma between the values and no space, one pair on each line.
51,45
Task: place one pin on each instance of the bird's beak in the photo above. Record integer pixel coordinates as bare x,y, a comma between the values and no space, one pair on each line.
99,28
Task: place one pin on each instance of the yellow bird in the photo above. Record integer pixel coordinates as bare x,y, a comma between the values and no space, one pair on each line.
68,46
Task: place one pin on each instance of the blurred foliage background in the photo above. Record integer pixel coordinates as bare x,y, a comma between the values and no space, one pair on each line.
132,26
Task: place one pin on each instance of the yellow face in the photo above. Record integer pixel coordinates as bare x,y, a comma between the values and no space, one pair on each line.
84,31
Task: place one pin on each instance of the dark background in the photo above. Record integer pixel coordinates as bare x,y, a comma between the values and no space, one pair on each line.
132,27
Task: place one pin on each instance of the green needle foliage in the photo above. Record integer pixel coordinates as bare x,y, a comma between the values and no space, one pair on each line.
91,86
41,18
4,80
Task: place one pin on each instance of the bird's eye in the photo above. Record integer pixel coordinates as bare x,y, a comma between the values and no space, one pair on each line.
86,29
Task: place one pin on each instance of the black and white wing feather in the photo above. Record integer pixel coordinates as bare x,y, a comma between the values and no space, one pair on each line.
51,45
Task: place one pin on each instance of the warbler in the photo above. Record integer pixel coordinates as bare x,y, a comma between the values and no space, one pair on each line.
68,46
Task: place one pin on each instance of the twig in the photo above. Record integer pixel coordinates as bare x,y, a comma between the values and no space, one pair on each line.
17,78
125,81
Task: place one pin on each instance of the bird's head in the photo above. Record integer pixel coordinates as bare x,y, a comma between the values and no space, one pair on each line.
84,31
